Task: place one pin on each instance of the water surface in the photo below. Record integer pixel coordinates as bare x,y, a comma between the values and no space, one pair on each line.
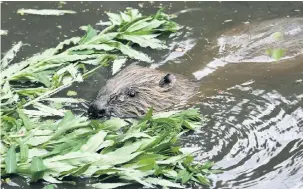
255,132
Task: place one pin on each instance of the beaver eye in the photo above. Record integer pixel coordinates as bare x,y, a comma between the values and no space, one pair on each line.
131,93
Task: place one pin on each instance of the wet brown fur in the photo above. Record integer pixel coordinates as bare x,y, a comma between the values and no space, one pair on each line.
114,97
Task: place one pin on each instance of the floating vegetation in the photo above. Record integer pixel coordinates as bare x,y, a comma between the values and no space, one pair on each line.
276,53
144,151
46,12
3,32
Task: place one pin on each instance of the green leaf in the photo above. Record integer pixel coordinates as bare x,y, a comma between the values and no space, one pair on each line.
23,152
48,12
75,158
82,52
3,32
3,148
42,78
202,179
277,54
107,185
14,71
10,55
37,168
134,13
114,18
132,53
162,182
125,17
90,33
71,41
94,142
138,25
277,35
71,93
184,176
117,64
65,100
47,110
148,115
146,41
102,38
37,140
56,105
10,161
114,124
207,165
25,119
49,186
86,47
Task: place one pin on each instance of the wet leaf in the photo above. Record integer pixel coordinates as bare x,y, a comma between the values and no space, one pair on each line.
277,35
42,78
114,18
71,41
3,148
48,110
9,182
10,160
146,41
162,182
3,32
80,48
184,176
94,142
114,124
65,100
71,93
107,185
49,186
23,152
37,140
102,38
202,179
277,54
45,12
10,55
25,119
132,53
90,33
37,168
117,64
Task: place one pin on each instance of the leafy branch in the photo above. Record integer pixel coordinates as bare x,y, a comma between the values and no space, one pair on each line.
59,67
144,151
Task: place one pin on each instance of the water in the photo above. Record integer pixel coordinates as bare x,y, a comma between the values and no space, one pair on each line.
255,132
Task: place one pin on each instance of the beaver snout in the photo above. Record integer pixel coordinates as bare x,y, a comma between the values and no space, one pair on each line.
96,112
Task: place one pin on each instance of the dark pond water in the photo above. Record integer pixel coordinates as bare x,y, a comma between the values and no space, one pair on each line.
255,132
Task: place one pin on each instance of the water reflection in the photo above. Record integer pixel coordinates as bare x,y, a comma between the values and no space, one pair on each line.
255,135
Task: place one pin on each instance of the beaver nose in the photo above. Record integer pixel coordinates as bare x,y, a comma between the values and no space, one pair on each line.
95,112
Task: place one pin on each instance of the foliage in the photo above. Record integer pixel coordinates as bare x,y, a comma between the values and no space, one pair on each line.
144,151
59,67
45,12
276,53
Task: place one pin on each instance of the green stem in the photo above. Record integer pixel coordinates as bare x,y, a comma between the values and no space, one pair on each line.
107,29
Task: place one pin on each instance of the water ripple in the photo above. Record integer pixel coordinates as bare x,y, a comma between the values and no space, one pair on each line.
254,135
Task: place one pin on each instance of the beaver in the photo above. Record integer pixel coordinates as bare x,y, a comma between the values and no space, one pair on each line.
251,43
134,90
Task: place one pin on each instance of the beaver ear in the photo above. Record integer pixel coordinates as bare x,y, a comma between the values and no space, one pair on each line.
167,80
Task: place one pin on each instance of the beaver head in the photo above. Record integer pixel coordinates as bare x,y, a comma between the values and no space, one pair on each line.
136,89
